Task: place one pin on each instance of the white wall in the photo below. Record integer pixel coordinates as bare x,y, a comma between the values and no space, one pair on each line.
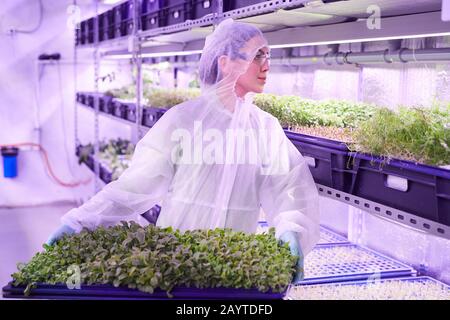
18,80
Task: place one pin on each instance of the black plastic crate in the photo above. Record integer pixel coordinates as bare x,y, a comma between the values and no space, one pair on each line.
110,107
83,98
150,115
104,103
202,8
83,32
78,35
161,112
101,27
148,6
128,110
90,162
151,20
90,100
105,174
236,4
127,17
110,18
123,19
131,112
77,150
150,14
80,97
328,160
106,26
417,189
93,98
90,30
120,109
175,11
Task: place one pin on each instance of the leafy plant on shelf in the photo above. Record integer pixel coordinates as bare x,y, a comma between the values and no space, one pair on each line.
415,134
150,258
124,93
293,111
116,155
167,98
84,152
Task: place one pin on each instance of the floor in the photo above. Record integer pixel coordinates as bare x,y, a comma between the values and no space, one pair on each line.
22,233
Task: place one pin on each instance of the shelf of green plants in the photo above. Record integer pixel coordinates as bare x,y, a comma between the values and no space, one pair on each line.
395,158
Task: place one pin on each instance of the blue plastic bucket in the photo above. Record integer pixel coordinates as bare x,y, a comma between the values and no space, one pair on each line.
10,161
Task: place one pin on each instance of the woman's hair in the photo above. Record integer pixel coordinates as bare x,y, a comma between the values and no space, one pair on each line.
226,40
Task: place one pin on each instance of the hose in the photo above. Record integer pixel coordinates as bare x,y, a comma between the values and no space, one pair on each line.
44,155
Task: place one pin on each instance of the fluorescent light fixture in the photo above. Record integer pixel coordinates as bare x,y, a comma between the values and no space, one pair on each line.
313,3
445,10
292,45
111,1
154,55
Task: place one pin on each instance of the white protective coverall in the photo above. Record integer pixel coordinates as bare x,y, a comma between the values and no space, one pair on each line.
214,161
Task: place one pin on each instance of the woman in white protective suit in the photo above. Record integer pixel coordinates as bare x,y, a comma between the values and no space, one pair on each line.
214,161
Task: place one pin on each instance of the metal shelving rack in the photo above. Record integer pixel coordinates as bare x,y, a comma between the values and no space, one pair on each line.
190,35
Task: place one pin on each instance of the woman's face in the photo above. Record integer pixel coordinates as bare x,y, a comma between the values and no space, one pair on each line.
254,79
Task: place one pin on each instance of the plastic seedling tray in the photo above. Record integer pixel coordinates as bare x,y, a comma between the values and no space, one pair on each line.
348,262
408,288
106,292
328,237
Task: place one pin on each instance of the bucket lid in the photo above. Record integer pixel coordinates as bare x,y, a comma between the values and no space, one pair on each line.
10,151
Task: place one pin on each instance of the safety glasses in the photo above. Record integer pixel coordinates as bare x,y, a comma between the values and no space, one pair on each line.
261,58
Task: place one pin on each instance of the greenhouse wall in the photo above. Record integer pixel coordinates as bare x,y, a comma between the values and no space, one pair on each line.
18,88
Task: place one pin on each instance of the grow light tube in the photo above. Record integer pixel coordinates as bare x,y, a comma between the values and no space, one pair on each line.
415,36
154,55
111,1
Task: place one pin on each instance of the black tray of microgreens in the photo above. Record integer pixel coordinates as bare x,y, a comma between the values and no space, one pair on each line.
129,261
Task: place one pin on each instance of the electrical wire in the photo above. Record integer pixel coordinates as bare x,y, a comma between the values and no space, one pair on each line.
44,155
41,16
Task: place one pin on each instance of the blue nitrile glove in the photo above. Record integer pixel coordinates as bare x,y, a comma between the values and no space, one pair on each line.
55,236
291,238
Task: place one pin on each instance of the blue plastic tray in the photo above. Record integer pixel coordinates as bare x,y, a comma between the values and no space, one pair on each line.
328,237
106,292
323,266
378,282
